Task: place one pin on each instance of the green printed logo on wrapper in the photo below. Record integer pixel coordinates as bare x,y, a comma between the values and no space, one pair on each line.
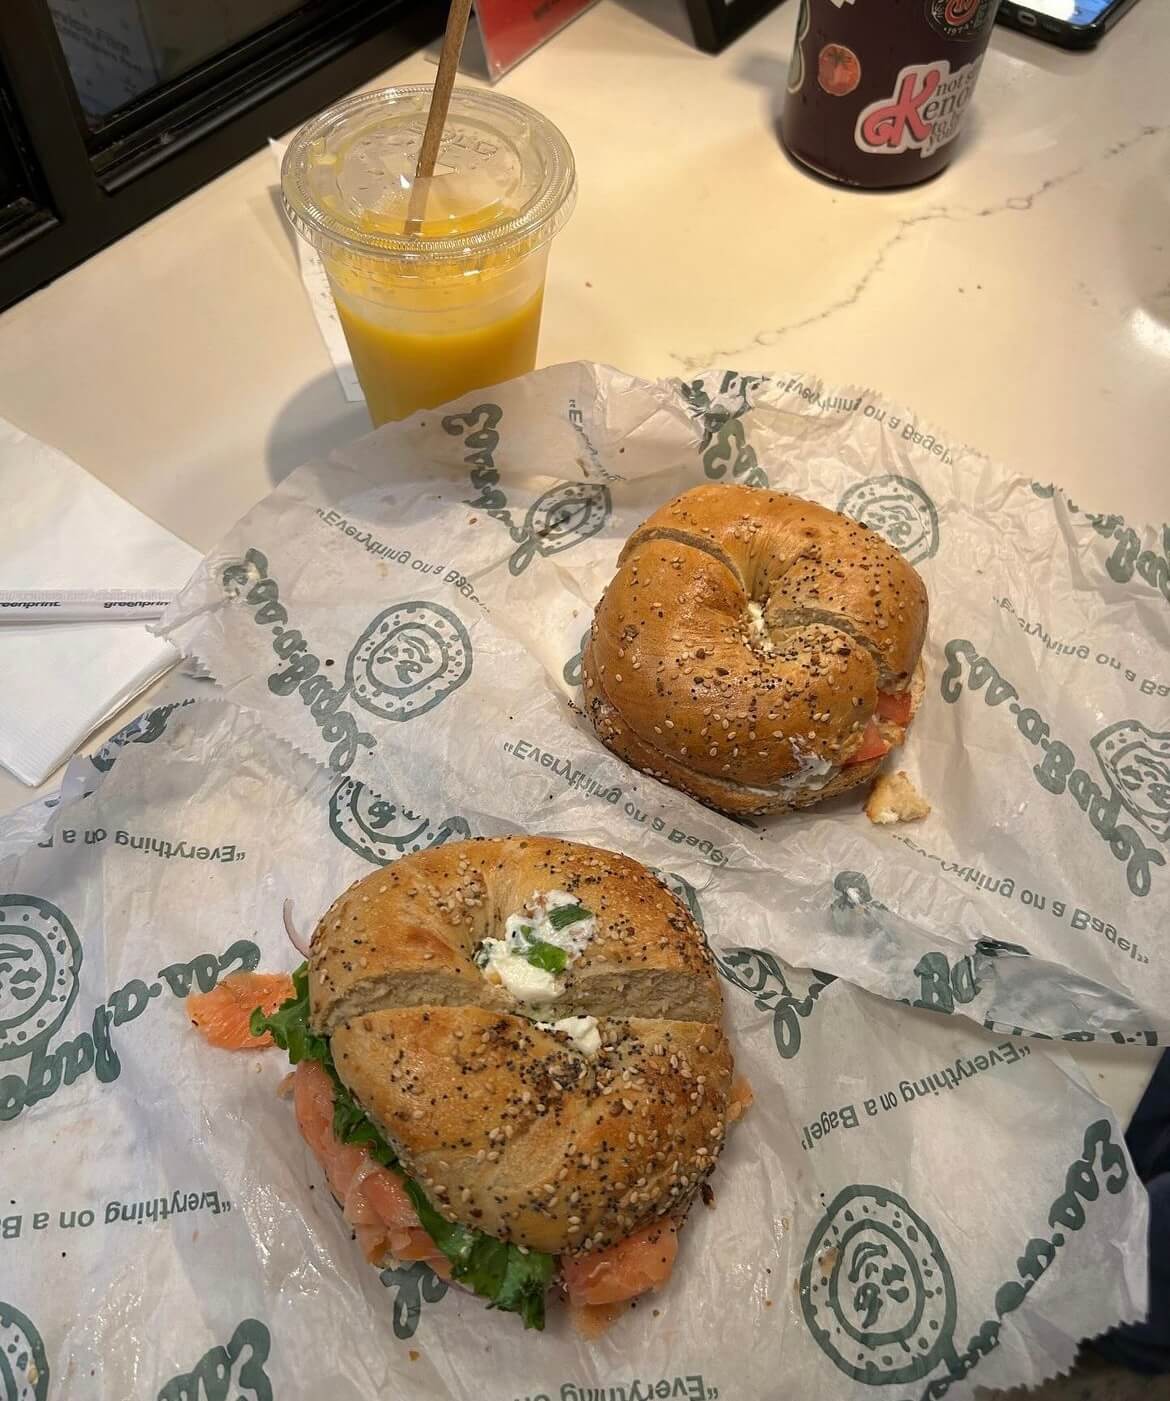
382,830
232,1373
1135,761
941,983
1152,567
851,892
143,729
724,446
92,1052
876,1290
24,1368
409,660
40,959
558,519
759,973
899,511
573,669
412,1285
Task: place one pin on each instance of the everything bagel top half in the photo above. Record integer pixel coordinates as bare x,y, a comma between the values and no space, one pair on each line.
756,650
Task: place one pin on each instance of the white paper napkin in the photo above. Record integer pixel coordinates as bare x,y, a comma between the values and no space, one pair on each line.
65,530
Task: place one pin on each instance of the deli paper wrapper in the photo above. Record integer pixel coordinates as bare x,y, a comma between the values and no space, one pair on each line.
913,1203
411,613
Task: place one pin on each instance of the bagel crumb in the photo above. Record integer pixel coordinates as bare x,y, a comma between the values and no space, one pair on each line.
894,798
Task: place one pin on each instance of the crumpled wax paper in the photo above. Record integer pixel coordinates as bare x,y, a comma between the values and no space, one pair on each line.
411,614
911,1208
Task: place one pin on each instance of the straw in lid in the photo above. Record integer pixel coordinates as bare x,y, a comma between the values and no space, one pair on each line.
504,182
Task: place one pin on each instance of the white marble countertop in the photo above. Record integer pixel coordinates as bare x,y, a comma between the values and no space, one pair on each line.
1021,301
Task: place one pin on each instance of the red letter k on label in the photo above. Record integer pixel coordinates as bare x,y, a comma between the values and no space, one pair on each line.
899,124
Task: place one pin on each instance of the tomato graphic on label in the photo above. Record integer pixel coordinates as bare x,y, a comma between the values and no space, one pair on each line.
838,70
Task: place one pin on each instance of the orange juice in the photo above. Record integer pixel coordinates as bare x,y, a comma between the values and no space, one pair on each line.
401,371
436,308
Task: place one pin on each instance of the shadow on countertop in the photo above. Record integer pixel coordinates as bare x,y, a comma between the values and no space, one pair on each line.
315,421
1093,1379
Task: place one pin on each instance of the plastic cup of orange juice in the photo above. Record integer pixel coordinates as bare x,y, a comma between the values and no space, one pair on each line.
433,307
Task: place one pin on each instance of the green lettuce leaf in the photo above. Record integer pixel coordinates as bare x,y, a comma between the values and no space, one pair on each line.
504,1274
500,1273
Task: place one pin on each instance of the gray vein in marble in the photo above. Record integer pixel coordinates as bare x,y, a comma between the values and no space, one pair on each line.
904,230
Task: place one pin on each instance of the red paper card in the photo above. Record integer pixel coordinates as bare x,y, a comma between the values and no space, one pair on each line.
511,29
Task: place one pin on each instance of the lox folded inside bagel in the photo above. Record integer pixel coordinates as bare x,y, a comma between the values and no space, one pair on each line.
510,1065
755,650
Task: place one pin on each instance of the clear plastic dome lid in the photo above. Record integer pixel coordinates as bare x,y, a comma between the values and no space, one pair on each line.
504,180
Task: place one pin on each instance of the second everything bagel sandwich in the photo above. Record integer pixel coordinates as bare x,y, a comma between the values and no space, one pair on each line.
510,1065
756,650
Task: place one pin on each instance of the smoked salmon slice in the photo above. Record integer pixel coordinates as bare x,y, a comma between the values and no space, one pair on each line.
894,706
872,746
641,1262
222,1015
372,1197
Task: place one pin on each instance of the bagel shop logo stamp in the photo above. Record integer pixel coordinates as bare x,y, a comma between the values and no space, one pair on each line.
1134,761
924,111
50,1068
558,519
876,1291
759,974
235,1372
40,962
381,830
409,659
24,1368
724,447
412,1285
898,510
878,1294
962,20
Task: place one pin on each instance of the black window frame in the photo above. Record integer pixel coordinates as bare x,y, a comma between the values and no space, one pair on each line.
89,188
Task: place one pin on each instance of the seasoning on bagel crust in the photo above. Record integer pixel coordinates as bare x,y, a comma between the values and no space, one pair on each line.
510,1130
755,650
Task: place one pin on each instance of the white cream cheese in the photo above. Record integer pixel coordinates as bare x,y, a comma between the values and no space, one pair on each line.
535,932
519,978
758,633
581,1031
814,772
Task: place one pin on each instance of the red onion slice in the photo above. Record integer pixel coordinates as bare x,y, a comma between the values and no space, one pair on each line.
298,941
